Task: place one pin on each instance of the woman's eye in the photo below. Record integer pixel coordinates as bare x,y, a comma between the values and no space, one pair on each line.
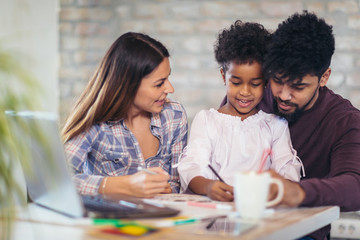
159,85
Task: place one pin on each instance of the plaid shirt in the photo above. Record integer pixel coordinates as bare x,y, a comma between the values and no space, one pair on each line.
110,149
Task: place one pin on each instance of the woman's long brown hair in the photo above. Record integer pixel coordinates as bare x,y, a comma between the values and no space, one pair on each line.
111,91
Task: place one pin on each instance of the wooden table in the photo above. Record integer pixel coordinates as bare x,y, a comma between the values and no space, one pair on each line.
282,224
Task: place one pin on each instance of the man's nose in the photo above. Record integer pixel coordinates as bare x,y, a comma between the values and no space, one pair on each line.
285,92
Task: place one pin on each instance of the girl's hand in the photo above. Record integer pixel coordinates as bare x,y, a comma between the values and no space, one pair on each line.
220,191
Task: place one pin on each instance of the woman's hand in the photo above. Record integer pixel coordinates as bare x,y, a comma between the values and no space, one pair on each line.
220,191
146,185
167,189
140,184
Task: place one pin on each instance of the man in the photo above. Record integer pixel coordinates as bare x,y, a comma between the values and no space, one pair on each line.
324,127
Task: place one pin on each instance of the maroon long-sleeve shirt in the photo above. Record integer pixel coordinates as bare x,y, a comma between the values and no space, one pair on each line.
327,138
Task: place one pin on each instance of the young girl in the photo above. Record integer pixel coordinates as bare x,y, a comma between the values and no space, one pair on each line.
234,137
123,121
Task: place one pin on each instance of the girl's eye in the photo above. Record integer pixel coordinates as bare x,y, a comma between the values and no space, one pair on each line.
235,83
256,84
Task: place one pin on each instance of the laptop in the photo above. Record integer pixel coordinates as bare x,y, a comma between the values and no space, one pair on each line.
48,179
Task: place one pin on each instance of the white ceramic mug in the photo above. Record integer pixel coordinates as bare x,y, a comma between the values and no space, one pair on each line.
251,192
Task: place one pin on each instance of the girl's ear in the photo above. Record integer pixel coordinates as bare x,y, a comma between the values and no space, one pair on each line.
223,75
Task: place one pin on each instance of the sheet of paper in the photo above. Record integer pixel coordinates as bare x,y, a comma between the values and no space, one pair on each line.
174,198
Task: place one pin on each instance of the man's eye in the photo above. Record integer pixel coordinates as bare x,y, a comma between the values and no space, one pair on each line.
277,81
298,88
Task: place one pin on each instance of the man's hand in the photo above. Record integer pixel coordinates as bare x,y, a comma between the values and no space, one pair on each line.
294,195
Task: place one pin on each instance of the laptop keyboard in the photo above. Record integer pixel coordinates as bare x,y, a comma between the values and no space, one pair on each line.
98,206
99,203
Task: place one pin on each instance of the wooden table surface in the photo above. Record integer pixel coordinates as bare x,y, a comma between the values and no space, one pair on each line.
282,224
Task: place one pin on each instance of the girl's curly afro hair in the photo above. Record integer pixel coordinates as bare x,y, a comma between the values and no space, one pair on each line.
243,42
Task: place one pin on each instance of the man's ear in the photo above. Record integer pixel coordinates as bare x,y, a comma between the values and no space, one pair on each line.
325,77
223,75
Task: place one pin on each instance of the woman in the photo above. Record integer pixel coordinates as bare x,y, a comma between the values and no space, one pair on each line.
123,121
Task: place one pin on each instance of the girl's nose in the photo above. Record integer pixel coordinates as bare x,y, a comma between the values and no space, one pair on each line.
245,90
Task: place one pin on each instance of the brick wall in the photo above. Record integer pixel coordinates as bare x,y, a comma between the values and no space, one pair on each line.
189,30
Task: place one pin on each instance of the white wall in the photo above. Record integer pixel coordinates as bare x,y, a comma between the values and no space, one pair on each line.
31,28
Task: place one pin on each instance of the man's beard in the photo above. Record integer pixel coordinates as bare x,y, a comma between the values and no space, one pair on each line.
291,117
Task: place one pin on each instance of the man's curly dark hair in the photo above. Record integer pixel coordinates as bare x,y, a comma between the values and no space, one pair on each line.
303,44
243,42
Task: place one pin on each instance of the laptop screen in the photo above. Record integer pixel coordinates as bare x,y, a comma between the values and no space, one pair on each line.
48,180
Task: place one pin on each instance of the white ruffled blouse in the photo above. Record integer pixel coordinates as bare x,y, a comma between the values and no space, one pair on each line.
231,145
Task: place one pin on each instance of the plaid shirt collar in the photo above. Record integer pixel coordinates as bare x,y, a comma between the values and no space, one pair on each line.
155,121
